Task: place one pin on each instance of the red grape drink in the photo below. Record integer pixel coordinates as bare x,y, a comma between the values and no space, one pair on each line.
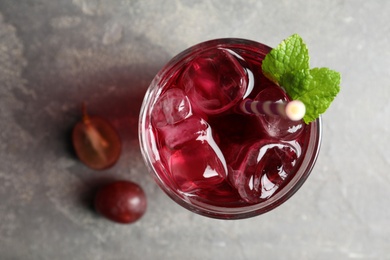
208,155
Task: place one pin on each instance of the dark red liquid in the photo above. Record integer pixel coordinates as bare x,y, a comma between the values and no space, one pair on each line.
206,148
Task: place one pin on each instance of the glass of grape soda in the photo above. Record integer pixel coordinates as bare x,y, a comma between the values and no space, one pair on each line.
204,151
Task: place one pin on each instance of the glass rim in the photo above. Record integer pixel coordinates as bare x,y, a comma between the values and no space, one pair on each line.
219,212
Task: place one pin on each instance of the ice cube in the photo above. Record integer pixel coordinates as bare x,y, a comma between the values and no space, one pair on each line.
197,163
197,166
215,81
171,107
263,169
177,135
221,194
277,126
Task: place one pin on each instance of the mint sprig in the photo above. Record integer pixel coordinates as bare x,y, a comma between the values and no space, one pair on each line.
288,66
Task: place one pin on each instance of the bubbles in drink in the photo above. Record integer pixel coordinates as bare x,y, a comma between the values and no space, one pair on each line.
172,107
215,81
276,126
262,168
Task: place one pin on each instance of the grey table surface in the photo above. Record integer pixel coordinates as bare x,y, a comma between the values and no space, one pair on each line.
55,54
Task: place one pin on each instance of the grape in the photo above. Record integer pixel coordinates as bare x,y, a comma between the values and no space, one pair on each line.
121,201
96,142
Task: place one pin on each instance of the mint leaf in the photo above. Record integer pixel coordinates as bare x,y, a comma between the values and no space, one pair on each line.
288,66
294,82
290,55
316,90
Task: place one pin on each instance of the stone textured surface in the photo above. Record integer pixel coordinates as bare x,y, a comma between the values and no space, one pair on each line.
54,54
